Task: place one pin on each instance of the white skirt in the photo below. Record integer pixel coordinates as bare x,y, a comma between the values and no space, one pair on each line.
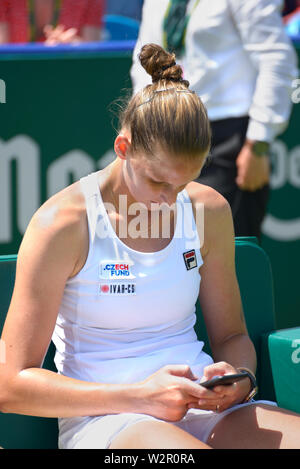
98,432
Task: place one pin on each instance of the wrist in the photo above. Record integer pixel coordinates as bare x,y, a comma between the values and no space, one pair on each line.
125,398
253,384
258,147
138,398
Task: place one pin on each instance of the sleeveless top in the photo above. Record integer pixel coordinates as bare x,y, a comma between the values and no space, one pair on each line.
128,313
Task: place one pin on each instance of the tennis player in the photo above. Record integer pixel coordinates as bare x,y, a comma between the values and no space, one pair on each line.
110,268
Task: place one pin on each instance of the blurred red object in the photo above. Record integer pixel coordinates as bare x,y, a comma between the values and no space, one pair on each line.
14,14
19,17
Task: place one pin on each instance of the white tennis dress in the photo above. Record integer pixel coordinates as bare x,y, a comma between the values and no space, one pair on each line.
128,313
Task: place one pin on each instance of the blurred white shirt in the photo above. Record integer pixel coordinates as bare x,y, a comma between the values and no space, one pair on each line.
238,58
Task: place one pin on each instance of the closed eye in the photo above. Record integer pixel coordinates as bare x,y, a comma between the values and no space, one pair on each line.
157,183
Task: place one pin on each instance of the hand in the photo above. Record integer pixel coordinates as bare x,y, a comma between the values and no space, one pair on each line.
59,35
253,172
170,392
222,397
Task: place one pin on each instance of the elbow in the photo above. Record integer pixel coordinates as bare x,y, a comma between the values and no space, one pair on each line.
5,395
3,401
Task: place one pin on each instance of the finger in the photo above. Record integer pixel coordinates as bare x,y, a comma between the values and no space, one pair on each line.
68,35
59,28
196,405
224,390
181,370
200,392
56,32
201,405
207,405
219,368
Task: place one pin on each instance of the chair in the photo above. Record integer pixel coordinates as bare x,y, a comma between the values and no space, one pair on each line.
119,28
256,285
22,431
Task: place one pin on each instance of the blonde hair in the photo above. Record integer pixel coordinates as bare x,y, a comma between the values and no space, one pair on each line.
167,112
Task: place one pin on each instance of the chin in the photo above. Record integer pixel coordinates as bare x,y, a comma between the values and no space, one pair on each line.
153,206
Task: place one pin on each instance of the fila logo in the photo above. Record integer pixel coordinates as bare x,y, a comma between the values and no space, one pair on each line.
190,259
117,288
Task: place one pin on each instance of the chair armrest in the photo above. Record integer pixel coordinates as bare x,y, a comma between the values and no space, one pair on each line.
284,352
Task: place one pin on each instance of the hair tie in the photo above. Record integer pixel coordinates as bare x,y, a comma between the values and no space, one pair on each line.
165,67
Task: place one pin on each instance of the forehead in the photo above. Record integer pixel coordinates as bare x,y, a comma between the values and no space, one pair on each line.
172,170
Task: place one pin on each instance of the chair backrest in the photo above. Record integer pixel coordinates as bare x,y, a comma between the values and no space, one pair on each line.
120,28
256,286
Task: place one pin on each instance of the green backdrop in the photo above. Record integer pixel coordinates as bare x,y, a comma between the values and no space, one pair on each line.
56,126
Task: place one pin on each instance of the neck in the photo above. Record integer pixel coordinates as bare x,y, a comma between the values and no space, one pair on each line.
117,185
113,188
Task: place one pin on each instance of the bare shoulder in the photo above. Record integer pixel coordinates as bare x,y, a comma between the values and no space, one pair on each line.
217,213
60,227
213,201
50,253
66,208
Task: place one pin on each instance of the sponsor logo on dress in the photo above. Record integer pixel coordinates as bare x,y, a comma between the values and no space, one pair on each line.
190,259
117,289
115,270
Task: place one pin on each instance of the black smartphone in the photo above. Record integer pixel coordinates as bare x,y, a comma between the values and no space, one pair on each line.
223,380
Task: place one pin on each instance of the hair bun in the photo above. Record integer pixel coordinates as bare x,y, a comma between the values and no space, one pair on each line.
161,65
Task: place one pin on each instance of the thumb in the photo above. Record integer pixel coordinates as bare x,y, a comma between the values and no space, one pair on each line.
217,369
182,370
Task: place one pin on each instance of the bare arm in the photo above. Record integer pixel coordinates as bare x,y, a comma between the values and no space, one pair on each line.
220,297
47,258
219,293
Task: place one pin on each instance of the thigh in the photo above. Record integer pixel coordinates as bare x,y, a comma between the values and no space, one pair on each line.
258,426
155,435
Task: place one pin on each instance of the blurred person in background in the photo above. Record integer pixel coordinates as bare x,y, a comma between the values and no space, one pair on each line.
50,21
238,58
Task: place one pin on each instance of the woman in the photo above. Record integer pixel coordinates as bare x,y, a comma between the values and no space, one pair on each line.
116,288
